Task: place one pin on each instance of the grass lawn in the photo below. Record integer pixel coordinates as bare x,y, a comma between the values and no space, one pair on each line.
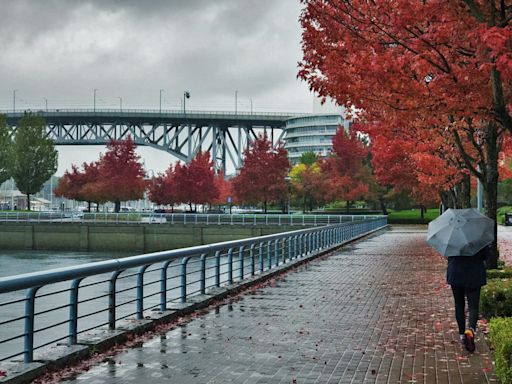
413,214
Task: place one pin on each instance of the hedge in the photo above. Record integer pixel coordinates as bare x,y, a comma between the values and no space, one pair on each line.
499,273
500,336
496,298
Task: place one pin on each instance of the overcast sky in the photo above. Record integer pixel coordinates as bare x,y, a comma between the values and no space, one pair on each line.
62,49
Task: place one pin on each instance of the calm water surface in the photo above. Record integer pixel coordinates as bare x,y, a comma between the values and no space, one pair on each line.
16,262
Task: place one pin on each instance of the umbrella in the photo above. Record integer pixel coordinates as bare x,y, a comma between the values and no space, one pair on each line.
460,232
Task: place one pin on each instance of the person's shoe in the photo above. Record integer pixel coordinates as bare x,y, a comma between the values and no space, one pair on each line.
470,340
462,339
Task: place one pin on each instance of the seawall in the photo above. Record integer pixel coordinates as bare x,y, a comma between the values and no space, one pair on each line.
123,237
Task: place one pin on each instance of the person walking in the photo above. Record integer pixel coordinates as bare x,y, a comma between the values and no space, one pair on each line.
466,275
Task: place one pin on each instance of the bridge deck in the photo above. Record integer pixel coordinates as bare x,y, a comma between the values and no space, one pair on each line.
377,311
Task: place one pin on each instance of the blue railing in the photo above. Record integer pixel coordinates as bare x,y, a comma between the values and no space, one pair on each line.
60,305
179,218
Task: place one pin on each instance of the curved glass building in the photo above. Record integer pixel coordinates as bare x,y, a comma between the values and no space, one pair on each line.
312,133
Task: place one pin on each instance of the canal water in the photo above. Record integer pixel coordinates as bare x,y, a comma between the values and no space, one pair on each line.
17,262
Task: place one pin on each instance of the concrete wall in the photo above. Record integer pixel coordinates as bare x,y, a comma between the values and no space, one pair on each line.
123,237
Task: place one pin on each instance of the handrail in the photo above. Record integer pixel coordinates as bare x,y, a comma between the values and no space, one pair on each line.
142,283
51,276
180,218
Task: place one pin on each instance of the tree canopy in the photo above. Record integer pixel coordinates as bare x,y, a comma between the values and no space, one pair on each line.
262,178
33,155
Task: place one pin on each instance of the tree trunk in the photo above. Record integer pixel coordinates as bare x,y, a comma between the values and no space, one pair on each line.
28,201
97,207
117,206
88,206
265,206
348,207
383,206
491,187
304,205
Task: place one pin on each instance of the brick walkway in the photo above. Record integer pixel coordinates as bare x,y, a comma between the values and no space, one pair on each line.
377,311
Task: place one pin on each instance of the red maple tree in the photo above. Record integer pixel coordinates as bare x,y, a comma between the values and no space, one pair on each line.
194,182
121,175
262,178
441,67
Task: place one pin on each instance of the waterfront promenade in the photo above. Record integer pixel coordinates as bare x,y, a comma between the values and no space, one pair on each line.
375,311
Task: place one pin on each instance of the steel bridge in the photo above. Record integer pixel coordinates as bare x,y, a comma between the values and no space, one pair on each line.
181,133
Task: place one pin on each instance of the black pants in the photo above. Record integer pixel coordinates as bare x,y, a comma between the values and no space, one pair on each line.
473,296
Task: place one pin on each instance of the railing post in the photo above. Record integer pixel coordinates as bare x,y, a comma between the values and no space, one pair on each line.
276,251
140,292
230,266
207,218
218,219
195,219
73,312
290,250
163,285
112,300
217,268
269,253
279,219
28,339
183,274
241,262
203,273
251,254
262,256
231,222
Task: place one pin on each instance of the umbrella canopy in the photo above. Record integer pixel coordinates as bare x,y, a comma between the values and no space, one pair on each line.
460,232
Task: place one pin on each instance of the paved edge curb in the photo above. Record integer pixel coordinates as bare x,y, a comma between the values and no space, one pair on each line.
57,357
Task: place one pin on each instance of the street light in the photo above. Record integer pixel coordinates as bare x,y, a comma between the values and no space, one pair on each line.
120,103
14,99
160,109
46,103
94,98
251,105
186,95
236,101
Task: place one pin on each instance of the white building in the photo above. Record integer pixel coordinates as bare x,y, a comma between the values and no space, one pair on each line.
314,133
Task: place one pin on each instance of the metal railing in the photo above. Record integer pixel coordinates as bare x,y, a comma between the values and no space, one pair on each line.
60,305
155,112
180,218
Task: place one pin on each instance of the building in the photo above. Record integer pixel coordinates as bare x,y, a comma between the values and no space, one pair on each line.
314,133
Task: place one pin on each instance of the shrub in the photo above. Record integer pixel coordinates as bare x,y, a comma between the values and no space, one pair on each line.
500,334
496,298
499,273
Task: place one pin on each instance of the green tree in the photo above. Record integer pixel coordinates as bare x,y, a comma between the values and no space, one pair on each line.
5,145
308,158
33,155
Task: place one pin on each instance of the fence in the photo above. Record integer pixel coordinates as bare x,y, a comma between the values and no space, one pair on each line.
60,305
179,218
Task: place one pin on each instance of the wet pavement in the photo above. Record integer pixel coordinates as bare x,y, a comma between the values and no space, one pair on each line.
376,311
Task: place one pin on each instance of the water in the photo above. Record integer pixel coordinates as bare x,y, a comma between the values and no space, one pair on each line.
17,262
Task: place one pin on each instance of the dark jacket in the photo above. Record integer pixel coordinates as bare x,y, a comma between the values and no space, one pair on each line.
467,271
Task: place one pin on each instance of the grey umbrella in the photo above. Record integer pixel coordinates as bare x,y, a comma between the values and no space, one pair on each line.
460,232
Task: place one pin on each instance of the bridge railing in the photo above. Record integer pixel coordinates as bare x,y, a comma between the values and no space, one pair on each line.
68,305
180,218
156,112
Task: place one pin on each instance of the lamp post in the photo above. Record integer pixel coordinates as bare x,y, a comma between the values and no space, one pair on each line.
120,103
94,99
186,95
46,104
160,108
14,99
251,105
236,101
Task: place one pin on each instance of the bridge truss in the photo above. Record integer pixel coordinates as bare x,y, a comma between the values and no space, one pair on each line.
225,135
